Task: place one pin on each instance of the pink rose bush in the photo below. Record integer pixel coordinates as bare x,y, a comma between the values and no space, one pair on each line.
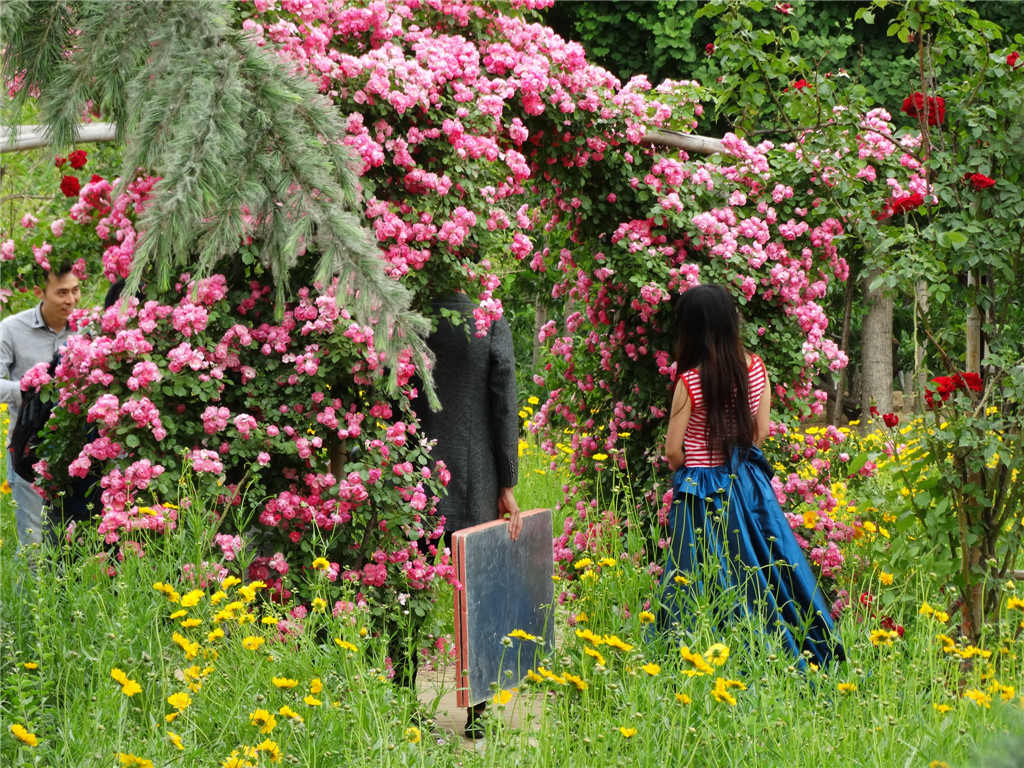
251,409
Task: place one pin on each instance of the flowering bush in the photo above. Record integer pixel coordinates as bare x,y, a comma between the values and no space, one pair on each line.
289,420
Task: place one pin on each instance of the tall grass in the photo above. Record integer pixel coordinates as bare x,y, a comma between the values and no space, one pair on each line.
277,690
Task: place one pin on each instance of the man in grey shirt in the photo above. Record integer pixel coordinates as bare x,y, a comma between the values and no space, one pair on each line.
26,339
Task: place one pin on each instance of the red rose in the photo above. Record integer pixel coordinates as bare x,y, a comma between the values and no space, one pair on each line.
933,108
1011,60
873,410
70,186
971,381
866,598
801,84
709,49
890,419
906,203
944,387
59,162
77,158
979,181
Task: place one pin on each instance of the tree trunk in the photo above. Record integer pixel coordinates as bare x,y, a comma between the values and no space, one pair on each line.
876,349
836,414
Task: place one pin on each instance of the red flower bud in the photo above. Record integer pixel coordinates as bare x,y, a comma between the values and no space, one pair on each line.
873,410
1011,60
890,419
784,8
709,49
59,162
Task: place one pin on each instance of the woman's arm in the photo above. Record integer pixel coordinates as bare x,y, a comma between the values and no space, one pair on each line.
679,417
763,413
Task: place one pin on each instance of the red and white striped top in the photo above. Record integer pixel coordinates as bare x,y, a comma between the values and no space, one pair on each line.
695,447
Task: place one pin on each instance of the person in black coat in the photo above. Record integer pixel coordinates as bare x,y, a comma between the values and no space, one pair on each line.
476,429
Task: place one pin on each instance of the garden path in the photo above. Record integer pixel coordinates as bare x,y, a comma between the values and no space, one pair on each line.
436,691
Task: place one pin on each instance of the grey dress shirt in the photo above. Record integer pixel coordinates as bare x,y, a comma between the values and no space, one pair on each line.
25,340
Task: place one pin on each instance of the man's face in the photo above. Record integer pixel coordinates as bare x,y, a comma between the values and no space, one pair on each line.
60,297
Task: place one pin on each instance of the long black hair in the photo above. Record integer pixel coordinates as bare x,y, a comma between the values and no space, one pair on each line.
708,338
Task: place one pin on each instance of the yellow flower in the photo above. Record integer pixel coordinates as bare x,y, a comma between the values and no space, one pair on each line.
938,764
582,617
651,669
346,645
217,596
229,582
586,634
880,637
216,634
717,654
175,740
600,456
581,564
21,734
179,700
533,677
287,711
810,519
191,649
721,693
128,687
627,733
699,665
1015,602
501,698
681,580
167,590
133,761
30,665
942,708
523,635
614,642
312,701
885,578
189,623
596,654
268,620
270,749
5,487
847,687
941,616
608,562
263,720
315,685
551,676
646,617
579,682
178,614
683,699
284,682
979,697
320,563
192,598
252,642
413,735
319,605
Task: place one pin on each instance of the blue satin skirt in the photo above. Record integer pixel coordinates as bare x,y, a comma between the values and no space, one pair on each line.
730,537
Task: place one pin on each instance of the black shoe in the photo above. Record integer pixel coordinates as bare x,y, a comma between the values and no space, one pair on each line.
475,723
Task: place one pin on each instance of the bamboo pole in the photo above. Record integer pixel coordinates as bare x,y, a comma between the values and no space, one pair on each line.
704,145
24,137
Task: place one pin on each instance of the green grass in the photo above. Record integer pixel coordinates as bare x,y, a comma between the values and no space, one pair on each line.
77,623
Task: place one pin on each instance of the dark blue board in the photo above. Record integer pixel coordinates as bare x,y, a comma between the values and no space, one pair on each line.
506,585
